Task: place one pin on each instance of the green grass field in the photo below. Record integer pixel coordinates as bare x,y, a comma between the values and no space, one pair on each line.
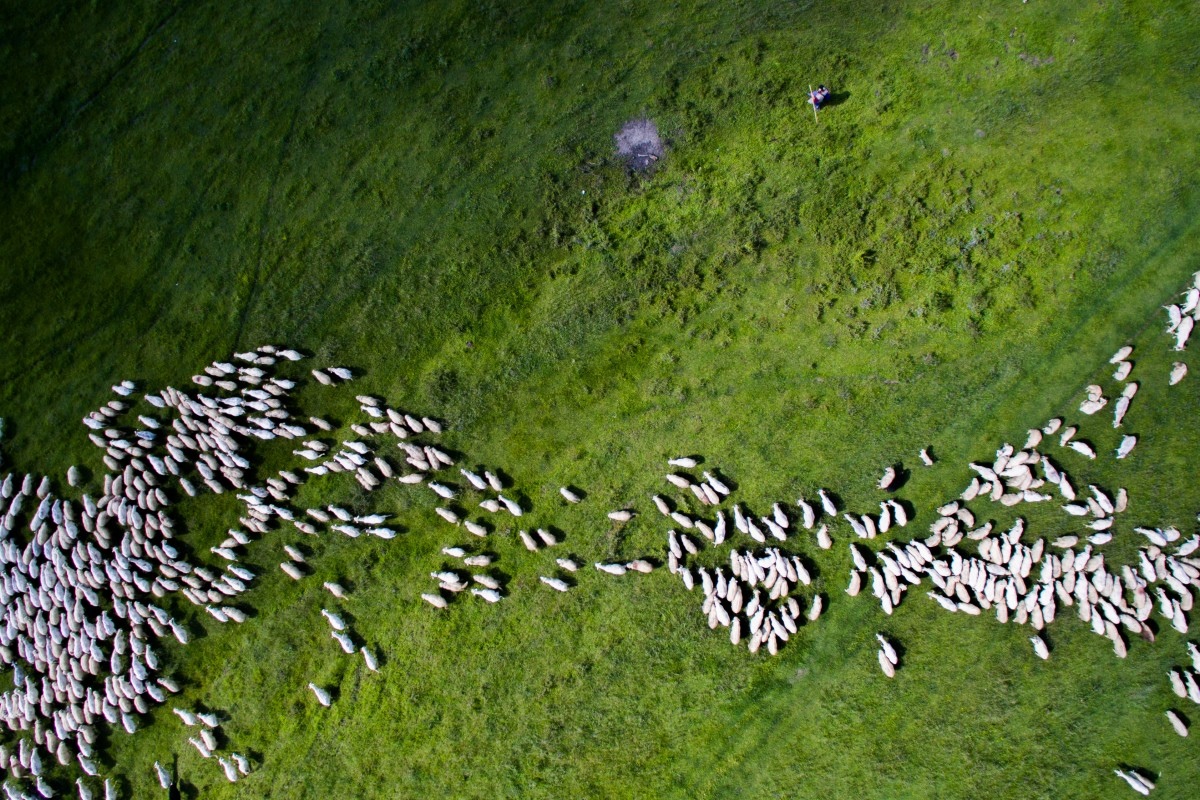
1000,197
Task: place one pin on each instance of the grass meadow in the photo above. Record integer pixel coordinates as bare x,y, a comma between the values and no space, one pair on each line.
999,197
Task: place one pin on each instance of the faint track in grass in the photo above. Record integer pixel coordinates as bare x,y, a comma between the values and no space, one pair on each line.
256,276
35,150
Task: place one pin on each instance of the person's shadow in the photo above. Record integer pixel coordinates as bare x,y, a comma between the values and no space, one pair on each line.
835,99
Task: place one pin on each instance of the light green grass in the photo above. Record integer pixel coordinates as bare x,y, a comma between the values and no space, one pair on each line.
427,194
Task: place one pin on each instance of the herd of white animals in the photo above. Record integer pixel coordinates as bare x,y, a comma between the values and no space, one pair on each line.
84,578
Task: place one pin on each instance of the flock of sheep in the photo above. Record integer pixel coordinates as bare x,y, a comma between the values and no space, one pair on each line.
82,587
84,579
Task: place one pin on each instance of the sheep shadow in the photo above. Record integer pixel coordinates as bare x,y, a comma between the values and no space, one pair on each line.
903,475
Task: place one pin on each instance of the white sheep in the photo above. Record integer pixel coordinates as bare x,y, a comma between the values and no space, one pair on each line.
1135,782
1126,446
889,476
1183,333
444,492
487,581
716,484
1039,647
1083,449
679,481
435,600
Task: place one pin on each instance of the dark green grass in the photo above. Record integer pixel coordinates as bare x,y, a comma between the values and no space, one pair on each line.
1004,197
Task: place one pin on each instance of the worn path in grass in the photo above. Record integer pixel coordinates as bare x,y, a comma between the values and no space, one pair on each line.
427,195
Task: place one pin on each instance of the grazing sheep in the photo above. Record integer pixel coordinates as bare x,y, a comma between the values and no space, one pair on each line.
1177,723
856,555
684,461
611,569
164,777
1121,355
889,477
640,565
823,540
926,459
489,595
622,515
1039,647
1178,372
1083,449
435,600
567,564
1119,412
717,485
530,543
555,583
886,648
444,492
369,660
827,503
814,612
568,495
1126,446
885,664
513,507
1135,782
188,717
1183,333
